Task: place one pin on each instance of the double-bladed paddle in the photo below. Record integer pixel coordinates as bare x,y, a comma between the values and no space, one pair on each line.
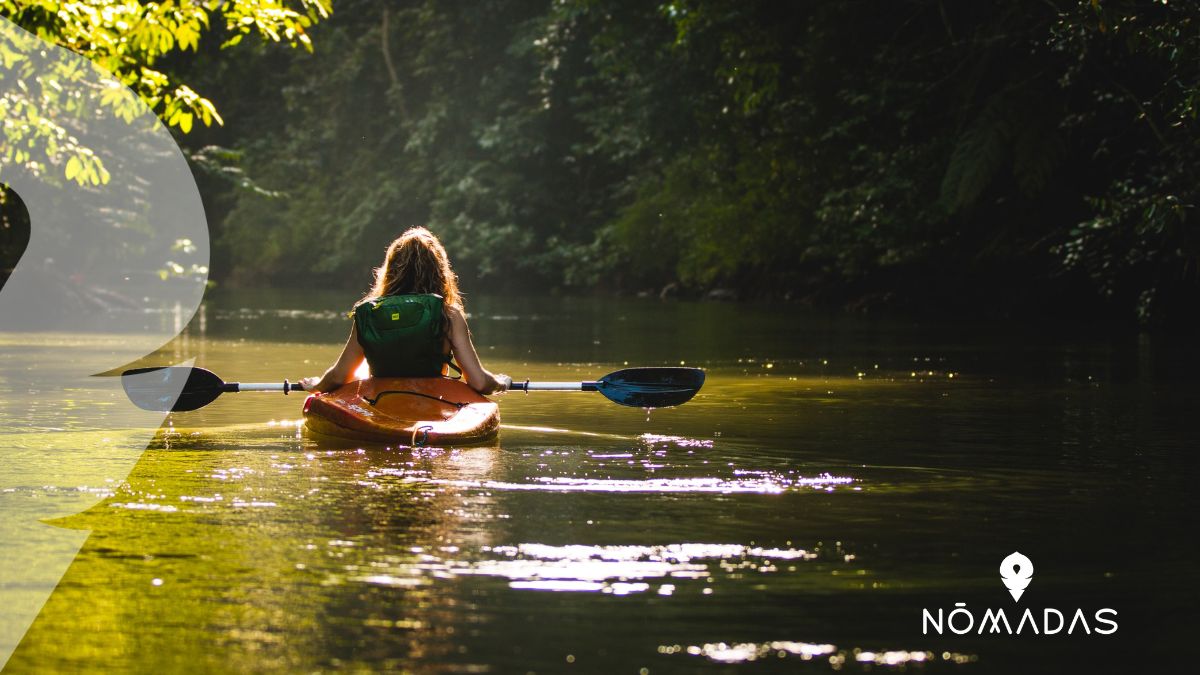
179,389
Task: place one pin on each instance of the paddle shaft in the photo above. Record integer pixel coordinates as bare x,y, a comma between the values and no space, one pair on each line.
554,386
231,387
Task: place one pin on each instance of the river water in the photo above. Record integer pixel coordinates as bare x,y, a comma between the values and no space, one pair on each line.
836,483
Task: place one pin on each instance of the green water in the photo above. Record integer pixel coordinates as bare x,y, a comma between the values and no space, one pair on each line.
834,478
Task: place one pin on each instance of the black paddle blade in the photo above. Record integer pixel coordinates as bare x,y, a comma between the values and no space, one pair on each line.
171,389
651,387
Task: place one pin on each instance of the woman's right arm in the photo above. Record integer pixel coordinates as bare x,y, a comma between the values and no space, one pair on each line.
342,371
480,379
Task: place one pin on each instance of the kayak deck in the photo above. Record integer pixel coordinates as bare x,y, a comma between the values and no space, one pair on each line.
410,411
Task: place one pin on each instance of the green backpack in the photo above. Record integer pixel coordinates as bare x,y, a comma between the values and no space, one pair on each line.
402,335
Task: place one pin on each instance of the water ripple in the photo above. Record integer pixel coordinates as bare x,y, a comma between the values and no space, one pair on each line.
718,485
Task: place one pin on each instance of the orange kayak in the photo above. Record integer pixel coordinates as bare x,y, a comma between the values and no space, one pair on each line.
402,410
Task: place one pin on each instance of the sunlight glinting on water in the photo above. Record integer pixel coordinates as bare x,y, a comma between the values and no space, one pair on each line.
555,430
144,506
616,570
743,652
249,314
653,439
663,485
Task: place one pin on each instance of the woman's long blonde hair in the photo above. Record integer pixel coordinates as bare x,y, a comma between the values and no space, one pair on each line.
416,262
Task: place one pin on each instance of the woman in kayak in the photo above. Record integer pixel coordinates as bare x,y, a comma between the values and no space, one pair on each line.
412,323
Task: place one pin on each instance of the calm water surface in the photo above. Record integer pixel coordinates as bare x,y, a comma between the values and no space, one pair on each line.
834,478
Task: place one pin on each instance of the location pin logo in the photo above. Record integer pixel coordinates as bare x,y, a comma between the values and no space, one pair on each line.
1016,571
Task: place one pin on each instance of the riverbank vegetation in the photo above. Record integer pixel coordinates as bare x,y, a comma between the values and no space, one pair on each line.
1005,159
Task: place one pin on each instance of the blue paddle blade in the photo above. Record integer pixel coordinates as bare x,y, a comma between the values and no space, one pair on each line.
651,387
171,389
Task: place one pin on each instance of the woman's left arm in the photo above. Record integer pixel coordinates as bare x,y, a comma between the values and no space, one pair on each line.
342,370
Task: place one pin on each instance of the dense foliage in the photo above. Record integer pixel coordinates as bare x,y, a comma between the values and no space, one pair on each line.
41,111
997,158
128,40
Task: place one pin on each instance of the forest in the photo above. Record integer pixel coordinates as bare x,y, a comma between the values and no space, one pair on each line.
991,159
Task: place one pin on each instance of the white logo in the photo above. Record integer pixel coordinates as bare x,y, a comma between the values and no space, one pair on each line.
1016,571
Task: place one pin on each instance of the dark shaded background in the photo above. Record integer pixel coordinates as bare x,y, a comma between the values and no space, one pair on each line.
981,159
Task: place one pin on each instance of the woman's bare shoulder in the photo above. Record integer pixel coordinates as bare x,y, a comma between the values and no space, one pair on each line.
456,315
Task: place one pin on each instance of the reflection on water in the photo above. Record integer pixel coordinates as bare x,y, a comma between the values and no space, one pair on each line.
607,569
563,484
831,480
836,658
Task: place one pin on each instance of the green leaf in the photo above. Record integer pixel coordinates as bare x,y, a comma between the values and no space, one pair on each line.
73,167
